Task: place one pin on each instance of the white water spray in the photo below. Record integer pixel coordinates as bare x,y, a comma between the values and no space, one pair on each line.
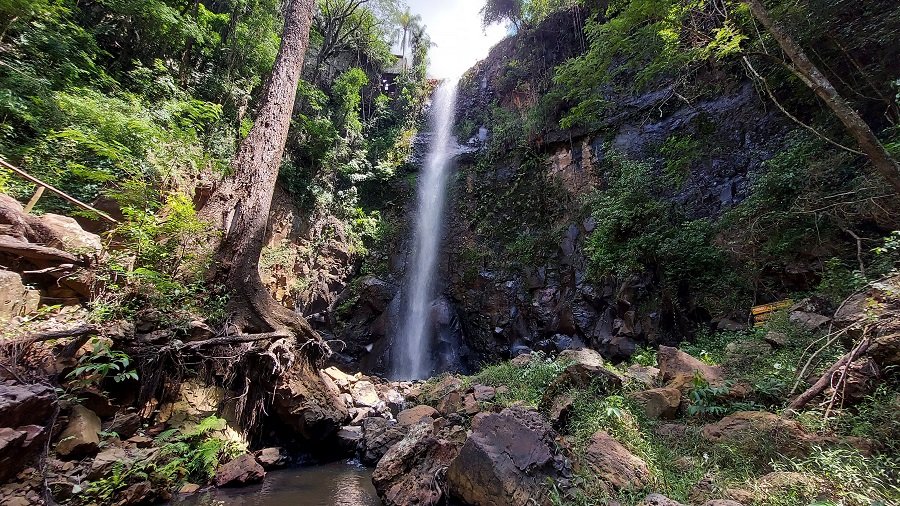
412,346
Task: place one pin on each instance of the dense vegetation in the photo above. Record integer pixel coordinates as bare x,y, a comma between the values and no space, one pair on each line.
137,106
816,189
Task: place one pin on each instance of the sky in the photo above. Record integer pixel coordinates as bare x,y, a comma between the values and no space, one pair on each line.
455,26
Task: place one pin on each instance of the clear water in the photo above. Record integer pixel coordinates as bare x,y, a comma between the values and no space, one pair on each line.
411,354
335,484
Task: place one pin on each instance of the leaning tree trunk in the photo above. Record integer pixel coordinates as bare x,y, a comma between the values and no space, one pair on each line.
869,144
240,205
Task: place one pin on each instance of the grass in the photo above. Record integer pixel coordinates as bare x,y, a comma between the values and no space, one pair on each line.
839,474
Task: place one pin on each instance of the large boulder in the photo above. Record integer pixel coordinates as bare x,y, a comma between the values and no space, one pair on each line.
411,471
81,436
243,470
678,367
658,402
15,298
755,430
508,460
25,405
364,394
415,414
614,464
310,402
378,436
18,447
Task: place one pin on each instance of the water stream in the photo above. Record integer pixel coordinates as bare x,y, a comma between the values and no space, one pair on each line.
411,354
335,484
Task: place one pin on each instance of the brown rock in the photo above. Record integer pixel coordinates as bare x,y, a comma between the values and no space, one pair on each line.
240,471
758,429
379,435
309,402
809,321
13,296
139,493
560,411
410,472
25,405
470,405
450,403
188,489
676,365
672,430
722,502
81,436
658,402
140,441
522,360
272,458
18,447
106,460
614,464
646,375
484,393
507,460
659,500
413,415
433,393
584,356
124,425
349,438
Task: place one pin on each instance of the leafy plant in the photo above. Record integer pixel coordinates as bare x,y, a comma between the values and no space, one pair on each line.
101,363
706,399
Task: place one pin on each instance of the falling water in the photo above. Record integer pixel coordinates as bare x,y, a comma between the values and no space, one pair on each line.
412,349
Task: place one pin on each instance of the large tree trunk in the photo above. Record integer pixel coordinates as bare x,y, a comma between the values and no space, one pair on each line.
869,144
240,205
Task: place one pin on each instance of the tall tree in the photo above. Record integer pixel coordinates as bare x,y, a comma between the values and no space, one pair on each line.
406,23
809,73
241,203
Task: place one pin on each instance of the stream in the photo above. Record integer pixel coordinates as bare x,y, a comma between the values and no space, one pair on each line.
344,483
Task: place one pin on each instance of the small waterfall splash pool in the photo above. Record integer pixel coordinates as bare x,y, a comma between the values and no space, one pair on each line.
344,483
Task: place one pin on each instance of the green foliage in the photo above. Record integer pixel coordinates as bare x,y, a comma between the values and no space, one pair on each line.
524,383
679,152
194,453
639,231
706,400
101,363
645,357
838,281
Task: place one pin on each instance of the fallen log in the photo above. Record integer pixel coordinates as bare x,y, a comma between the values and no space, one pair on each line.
33,252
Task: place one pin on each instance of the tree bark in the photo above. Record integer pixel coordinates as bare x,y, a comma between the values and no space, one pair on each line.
241,203
868,142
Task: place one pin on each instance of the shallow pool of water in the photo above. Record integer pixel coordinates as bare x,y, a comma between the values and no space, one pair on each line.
336,484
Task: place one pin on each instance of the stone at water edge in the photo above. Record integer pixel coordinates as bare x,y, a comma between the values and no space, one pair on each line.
614,464
379,435
272,458
81,436
507,460
410,472
349,438
241,471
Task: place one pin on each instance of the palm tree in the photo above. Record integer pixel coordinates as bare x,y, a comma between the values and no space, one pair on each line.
406,23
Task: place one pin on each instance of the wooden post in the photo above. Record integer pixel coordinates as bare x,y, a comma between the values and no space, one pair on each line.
34,199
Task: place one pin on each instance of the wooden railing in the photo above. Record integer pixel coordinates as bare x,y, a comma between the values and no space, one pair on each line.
41,186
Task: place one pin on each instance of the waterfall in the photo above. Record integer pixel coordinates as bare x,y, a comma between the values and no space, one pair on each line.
411,354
